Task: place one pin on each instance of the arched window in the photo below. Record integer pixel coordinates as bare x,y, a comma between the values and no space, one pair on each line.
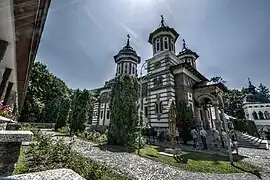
254,114
261,115
267,106
249,106
157,44
166,43
267,115
261,106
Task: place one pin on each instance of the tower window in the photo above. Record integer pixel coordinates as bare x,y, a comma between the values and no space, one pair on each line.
101,114
119,69
160,81
166,43
157,44
157,64
125,68
160,107
155,81
146,111
172,45
133,69
108,114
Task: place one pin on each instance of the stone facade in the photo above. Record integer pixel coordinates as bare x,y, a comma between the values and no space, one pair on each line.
170,77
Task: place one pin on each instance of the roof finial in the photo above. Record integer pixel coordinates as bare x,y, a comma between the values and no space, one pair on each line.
128,36
162,20
249,82
184,44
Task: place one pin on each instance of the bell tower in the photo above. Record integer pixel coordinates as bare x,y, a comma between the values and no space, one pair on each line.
187,55
163,38
127,60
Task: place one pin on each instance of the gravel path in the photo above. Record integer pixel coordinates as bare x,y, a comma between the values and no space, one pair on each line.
257,156
141,168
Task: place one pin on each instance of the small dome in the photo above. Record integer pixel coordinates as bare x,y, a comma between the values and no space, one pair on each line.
127,50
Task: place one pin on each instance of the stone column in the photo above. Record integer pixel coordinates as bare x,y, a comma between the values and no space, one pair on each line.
198,116
218,122
8,90
4,81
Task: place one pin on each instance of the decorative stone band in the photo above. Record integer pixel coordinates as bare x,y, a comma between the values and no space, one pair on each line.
15,136
59,174
10,144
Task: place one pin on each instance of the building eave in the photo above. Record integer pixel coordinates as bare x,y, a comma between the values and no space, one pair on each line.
30,17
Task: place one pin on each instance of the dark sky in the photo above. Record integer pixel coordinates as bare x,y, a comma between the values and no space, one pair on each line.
231,37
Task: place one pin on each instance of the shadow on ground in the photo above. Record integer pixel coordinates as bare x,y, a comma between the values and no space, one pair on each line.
256,172
115,148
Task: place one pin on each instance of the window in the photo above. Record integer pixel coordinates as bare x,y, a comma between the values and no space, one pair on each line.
157,64
267,115
108,114
160,81
267,106
261,106
126,68
146,111
172,45
166,43
156,107
250,106
155,81
255,106
157,45
119,69
101,114
160,107
261,115
254,114
133,69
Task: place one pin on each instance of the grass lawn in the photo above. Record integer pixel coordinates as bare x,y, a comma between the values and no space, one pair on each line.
201,162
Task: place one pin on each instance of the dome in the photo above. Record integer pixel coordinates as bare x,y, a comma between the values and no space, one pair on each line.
163,28
128,51
185,50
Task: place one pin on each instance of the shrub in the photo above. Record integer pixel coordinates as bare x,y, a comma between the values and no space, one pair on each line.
48,154
64,130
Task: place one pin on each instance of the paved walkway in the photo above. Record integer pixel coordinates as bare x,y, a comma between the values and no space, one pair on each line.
142,168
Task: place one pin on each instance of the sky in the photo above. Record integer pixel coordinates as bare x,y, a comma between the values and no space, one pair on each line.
231,37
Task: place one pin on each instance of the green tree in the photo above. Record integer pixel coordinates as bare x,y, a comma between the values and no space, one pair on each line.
233,101
80,110
44,88
63,111
263,91
185,121
124,112
218,79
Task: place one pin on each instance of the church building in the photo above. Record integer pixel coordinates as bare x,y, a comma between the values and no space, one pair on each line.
171,76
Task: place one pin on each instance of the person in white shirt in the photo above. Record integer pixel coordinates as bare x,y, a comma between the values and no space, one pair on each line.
194,135
203,135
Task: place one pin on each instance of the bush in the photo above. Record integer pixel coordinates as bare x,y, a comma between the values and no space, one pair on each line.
95,137
48,154
64,130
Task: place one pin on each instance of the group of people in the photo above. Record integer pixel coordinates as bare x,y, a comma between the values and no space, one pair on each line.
218,141
199,137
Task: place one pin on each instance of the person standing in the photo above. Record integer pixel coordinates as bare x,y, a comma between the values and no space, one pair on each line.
235,142
203,135
194,135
